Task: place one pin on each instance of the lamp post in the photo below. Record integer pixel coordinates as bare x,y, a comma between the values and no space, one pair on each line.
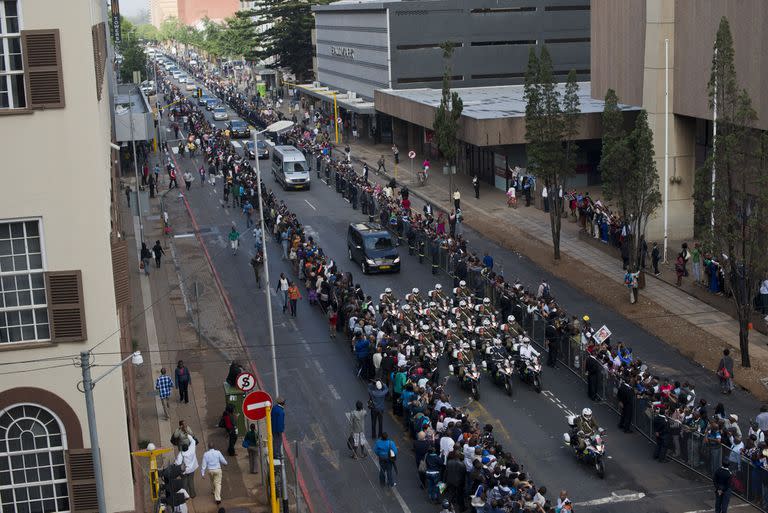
88,385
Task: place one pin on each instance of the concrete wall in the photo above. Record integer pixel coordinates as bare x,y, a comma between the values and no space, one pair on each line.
696,24
192,11
352,50
68,186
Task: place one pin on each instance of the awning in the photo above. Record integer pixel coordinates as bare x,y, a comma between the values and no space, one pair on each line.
357,105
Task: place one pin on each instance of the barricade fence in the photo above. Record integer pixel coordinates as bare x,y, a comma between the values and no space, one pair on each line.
684,445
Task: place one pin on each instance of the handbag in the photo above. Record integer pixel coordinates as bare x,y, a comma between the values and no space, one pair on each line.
422,466
246,443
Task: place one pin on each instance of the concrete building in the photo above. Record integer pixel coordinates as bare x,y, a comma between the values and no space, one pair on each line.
192,11
63,266
628,55
161,10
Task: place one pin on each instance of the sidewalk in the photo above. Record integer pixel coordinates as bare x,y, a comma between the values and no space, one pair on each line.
490,217
165,333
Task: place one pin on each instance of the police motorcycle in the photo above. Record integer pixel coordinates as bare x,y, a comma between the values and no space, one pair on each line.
499,365
463,366
462,292
436,296
587,441
388,302
527,362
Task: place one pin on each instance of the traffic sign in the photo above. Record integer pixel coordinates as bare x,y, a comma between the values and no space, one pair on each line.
339,121
255,405
411,154
245,381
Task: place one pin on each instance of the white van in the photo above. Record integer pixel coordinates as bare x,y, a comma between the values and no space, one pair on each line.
289,167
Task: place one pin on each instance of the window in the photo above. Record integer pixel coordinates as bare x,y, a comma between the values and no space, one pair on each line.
378,243
33,472
23,300
11,60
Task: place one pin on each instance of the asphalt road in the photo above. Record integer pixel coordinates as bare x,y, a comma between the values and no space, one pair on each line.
317,378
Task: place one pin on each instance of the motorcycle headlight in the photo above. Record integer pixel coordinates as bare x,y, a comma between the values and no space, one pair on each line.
396,260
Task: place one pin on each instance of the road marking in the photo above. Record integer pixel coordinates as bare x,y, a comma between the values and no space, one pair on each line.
183,235
334,393
712,510
310,204
319,367
613,499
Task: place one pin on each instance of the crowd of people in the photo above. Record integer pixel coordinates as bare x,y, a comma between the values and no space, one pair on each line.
393,348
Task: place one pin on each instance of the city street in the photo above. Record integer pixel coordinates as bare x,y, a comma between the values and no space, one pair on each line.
318,380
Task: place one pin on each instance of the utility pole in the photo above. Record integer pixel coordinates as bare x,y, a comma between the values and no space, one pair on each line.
135,165
93,431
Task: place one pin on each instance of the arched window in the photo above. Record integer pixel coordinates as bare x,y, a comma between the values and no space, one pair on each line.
33,473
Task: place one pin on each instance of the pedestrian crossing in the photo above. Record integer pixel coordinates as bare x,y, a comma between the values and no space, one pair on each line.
236,144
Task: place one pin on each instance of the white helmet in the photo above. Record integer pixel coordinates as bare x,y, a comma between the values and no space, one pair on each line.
486,301
432,304
486,322
424,327
497,341
462,283
387,291
462,303
415,290
438,286
406,308
586,413
511,319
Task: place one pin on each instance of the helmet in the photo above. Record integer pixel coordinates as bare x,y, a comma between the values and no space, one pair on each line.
526,340
462,283
387,291
486,322
585,318
486,301
415,290
511,319
406,308
446,504
432,304
497,341
438,286
462,303
586,413
424,327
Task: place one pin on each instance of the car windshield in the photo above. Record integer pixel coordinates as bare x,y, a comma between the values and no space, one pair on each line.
261,145
378,242
294,167
219,110
238,125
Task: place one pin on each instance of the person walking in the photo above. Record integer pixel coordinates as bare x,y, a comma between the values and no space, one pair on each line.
278,427
764,297
377,392
234,239
229,423
396,154
655,258
172,179
248,213
164,385
455,477
476,185
182,435
722,481
456,199
128,192
187,179
157,252
188,459
386,450
282,289
357,436
183,379
382,166
680,269
256,261
212,462
251,443
145,255
293,296
725,372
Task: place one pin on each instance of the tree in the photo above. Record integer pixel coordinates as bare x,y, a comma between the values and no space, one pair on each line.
285,28
446,123
736,198
147,32
239,37
550,131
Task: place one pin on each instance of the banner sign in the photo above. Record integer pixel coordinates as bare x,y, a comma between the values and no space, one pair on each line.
118,38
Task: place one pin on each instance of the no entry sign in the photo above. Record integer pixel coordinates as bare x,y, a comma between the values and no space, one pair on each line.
255,405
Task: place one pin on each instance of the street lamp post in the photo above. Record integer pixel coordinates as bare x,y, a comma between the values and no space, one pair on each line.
88,384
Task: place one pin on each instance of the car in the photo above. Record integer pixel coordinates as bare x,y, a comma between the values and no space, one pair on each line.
191,86
203,100
177,74
147,87
220,113
183,79
373,247
238,129
263,150
213,103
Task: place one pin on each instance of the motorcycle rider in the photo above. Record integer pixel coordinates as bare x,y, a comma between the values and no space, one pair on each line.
388,300
414,298
585,426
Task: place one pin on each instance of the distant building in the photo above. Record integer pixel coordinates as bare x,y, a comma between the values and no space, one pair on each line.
192,11
161,10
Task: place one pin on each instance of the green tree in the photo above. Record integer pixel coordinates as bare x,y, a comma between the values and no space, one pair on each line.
446,124
239,37
134,58
147,32
551,128
736,199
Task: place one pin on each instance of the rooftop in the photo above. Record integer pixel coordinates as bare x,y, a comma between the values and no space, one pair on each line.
130,93
498,101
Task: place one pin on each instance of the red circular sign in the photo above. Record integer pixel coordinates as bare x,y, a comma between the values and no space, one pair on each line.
255,405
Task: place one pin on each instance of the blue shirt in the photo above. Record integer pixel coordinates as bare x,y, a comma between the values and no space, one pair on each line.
362,349
488,261
278,419
382,448
164,385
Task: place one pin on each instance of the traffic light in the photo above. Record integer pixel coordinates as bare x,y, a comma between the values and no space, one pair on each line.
199,92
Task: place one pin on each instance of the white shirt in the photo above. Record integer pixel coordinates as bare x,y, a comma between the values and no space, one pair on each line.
544,192
446,446
469,456
283,283
188,458
764,287
212,460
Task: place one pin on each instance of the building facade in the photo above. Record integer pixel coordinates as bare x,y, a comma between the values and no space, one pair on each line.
191,12
364,46
59,250
161,10
628,55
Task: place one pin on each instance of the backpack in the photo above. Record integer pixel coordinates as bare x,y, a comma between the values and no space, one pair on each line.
545,292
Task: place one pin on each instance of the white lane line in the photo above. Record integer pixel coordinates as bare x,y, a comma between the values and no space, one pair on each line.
613,499
183,235
334,392
319,367
310,204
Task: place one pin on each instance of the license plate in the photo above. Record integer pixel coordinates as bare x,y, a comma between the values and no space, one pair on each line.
385,267
299,186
